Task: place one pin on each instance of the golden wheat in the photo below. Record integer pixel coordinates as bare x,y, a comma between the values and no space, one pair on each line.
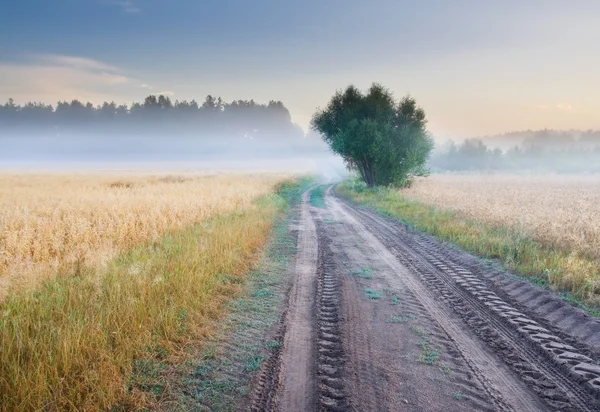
558,210
57,223
72,342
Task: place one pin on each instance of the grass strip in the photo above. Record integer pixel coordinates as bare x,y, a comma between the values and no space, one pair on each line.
220,377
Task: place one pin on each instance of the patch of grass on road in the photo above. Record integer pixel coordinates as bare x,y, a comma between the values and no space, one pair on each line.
317,196
577,276
373,294
364,273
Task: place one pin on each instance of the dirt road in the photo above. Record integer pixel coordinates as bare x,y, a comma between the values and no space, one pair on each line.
381,318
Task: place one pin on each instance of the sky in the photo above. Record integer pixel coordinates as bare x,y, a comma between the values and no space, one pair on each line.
476,67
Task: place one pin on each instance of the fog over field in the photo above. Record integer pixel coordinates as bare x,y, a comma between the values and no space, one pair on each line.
160,134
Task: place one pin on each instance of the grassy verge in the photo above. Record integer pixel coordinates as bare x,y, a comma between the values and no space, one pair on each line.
220,377
84,342
577,277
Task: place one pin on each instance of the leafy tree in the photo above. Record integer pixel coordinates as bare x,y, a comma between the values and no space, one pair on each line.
383,139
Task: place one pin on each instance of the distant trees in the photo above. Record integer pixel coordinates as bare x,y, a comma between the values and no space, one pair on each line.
155,115
384,140
541,151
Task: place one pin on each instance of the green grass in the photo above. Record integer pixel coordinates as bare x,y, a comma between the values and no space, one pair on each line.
576,276
317,196
373,294
364,273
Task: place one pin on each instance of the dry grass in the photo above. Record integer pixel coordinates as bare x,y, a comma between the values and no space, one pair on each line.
555,210
58,224
78,341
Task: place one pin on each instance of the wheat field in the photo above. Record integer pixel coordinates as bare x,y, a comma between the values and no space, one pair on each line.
102,272
56,223
563,211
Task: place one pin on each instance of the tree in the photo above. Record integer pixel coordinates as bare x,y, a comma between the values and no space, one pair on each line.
384,140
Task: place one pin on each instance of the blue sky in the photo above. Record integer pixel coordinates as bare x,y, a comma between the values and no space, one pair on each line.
477,67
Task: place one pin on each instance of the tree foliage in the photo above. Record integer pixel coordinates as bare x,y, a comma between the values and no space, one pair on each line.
383,139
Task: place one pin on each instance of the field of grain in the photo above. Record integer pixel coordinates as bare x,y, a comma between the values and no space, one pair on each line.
104,274
57,223
563,211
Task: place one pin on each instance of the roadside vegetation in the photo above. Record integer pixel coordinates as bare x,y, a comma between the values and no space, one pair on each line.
79,340
571,270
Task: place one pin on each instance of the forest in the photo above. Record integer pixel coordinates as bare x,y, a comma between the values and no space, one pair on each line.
155,115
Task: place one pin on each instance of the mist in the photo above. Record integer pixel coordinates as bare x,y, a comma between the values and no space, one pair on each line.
542,151
159,134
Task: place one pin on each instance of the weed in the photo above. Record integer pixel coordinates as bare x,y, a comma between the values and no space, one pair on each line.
272,345
411,316
396,319
373,294
253,363
395,300
364,273
458,396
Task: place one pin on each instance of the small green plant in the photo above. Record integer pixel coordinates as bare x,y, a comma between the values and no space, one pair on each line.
272,345
411,315
445,368
429,356
458,396
253,363
373,294
395,300
364,273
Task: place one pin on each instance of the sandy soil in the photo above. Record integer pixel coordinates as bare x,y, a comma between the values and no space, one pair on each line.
380,318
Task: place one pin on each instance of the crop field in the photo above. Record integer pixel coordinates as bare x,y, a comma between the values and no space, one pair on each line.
53,224
99,272
555,210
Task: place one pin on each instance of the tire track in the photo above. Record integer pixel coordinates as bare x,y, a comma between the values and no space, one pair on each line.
554,375
501,385
332,396
297,365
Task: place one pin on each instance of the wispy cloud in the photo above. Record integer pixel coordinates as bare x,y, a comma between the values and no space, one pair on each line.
81,63
52,77
127,6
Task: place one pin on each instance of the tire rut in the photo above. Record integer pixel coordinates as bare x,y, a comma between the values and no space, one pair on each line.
332,395
565,379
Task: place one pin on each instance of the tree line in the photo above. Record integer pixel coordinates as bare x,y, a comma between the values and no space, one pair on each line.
541,151
155,114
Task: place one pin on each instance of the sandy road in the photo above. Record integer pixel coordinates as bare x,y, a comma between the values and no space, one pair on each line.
380,318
